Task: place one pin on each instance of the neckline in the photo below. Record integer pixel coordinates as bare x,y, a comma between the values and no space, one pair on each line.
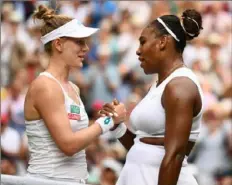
74,102
65,93
169,76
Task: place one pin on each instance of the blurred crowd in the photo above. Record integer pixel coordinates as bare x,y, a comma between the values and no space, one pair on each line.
112,70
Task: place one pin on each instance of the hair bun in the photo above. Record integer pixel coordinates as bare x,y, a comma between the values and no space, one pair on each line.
192,23
44,13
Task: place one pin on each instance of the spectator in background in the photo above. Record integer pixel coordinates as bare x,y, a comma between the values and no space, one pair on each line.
13,149
104,160
129,61
10,142
110,171
197,50
124,33
12,34
210,98
213,18
159,8
216,72
76,9
125,88
95,153
212,154
33,30
101,9
14,105
108,39
4,94
223,109
139,10
102,78
25,8
183,5
17,59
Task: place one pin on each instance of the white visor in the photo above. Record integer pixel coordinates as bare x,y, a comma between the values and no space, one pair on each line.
72,29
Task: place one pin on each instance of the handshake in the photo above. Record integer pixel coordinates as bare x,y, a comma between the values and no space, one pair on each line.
112,117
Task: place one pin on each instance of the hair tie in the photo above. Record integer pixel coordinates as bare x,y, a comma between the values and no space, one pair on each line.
193,21
182,24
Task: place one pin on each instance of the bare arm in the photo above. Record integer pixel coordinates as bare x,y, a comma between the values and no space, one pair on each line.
178,100
127,140
49,102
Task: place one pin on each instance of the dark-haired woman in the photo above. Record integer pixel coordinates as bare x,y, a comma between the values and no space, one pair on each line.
165,124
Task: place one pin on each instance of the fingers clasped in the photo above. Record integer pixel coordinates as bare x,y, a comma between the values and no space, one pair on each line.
115,110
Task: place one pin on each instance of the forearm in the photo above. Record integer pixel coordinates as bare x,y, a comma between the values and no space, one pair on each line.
81,139
127,140
170,170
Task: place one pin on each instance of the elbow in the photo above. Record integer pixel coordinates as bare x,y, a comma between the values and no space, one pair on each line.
177,156
71,145
68,153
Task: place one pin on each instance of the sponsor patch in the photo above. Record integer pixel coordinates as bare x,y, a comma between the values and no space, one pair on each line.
74,113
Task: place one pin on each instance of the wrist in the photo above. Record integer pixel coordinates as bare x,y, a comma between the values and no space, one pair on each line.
106,123
114,127
119,131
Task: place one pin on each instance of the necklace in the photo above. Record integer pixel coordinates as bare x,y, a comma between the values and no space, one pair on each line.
172,69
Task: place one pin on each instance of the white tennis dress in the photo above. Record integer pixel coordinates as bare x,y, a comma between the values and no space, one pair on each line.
148,120
46,159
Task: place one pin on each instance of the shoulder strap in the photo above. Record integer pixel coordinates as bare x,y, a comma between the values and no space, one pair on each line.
77,90
49,75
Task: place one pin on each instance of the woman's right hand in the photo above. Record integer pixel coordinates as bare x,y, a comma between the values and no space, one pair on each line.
115,110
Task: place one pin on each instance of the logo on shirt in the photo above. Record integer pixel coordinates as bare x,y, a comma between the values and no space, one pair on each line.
74,112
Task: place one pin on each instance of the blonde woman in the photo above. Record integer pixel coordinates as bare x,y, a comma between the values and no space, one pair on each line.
56,120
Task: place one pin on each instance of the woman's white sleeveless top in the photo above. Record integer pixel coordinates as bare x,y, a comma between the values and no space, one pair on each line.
46,159
148,117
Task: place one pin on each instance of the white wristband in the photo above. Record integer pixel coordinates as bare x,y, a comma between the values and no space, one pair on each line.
106,123
119,131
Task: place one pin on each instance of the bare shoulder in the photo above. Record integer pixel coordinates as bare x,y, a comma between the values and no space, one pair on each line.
44,86
181,88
